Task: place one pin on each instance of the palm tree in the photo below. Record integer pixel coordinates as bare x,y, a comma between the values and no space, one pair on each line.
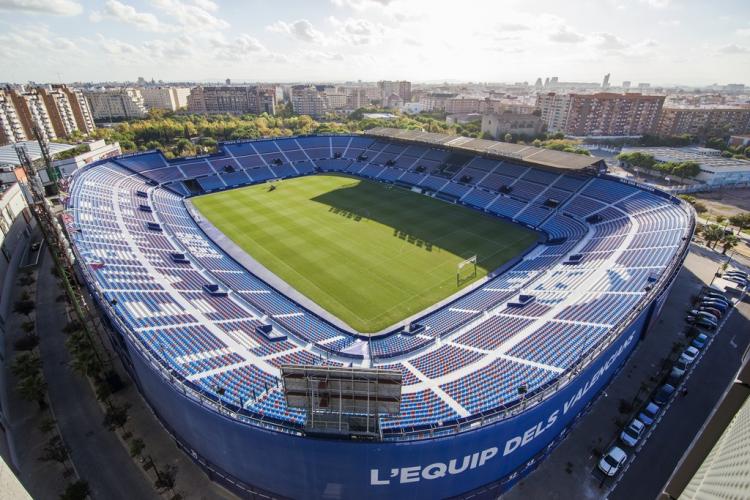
712,234
729,241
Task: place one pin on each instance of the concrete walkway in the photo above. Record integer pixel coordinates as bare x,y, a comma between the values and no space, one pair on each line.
97,453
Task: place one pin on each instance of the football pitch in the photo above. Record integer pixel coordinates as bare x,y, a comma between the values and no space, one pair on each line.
369,253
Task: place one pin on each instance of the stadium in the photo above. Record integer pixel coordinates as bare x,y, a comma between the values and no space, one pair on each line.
484,292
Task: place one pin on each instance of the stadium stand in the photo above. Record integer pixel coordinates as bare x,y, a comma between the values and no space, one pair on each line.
475,356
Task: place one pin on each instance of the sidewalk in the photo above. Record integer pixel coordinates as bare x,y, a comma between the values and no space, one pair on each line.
97,453
24,418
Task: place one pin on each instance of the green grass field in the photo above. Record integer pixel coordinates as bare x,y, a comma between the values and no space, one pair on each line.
368,253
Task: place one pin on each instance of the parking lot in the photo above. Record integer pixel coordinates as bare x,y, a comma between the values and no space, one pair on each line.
571,470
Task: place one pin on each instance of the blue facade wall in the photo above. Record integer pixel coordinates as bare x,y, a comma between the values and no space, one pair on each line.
304,467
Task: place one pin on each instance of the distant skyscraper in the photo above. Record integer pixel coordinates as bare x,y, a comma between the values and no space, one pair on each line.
538,83
605,82
626,84
546,82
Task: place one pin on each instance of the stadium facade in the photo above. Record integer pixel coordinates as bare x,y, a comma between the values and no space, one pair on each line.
492,380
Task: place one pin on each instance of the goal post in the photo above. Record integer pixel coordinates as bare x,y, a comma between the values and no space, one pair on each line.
461,273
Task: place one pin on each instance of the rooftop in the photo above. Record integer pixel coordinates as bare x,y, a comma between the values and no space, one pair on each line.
9,158
698,155
536,156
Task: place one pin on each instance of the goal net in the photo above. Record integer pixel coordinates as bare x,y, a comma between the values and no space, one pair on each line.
466,270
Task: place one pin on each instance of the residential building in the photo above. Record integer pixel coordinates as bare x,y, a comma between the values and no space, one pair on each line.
235,99
400,88
602,114
498,125
457,105
114,104
58,111
169,98
308,100
79,106
704,120
435,101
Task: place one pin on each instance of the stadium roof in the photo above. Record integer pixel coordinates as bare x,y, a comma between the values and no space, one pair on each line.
547,158
8,156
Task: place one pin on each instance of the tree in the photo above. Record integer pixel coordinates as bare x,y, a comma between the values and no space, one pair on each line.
740,221
166,478
76,491
508,138
24,306
700,207
712,234
26,364
55,450
728,242
116,416
33,388
136,447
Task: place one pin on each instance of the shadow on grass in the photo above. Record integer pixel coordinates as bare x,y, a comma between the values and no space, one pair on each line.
347,201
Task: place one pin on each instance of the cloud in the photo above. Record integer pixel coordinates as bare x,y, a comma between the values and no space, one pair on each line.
127,14
670,22
56,7
301,29
319,56
743,32
513,27
733,49
610,42
357,31
192,15
566,35
116,47
239,47
361,4
657,4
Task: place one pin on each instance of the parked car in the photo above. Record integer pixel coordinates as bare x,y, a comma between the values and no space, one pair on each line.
632,433
664,394
740,274
720,303
703,314
702,322
674,377
721,306
711,310
736,279
611,463
700,341
715,295
649,413
689,354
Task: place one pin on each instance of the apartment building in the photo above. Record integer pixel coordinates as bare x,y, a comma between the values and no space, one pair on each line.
169,98
600,114
704,120
115,104
234,99
401,88
58,110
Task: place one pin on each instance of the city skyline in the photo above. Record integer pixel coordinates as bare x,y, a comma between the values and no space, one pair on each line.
344,40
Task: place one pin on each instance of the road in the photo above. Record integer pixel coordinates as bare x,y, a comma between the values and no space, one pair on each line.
657,459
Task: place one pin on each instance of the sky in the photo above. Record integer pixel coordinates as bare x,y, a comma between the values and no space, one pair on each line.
691,42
